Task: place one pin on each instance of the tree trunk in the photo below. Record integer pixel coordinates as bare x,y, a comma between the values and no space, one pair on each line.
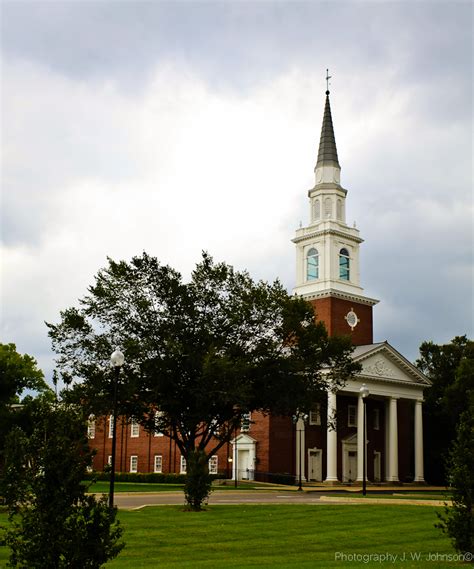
198,480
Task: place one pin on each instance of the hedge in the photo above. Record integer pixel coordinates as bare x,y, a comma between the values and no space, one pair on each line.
138,477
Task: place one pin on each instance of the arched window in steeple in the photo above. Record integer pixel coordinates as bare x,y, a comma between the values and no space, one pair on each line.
312,265
344,262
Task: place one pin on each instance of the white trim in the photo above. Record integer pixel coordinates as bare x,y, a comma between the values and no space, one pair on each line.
133,463
111,426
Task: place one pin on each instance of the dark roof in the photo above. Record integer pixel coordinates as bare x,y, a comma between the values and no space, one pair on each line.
327,154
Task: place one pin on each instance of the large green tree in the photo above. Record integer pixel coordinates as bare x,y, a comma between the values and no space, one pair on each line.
450,367
198,354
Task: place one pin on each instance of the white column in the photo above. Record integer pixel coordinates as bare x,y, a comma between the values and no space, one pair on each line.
360,438
419,477
393,441
331,452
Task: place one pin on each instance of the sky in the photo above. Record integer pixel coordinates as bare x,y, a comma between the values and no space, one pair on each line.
178,127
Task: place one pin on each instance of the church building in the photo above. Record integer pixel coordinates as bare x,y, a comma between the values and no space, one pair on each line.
269,447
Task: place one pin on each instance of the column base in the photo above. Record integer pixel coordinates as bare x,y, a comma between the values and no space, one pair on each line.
331,482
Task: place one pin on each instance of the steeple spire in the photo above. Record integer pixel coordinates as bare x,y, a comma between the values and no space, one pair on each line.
327,155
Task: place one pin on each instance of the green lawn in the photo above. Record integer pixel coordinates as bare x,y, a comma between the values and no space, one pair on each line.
288,536
103,487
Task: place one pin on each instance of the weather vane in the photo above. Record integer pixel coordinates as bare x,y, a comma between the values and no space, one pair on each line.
327,81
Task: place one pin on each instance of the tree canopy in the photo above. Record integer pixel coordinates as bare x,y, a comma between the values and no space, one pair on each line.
17,373
198,354
450,367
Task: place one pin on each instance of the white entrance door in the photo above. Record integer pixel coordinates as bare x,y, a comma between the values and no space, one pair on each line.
243,464
352,466
314,464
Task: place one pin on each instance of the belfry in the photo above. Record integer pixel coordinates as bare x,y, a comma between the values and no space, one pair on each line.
327,250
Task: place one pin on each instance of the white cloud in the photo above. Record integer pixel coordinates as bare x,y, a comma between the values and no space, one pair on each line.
180,166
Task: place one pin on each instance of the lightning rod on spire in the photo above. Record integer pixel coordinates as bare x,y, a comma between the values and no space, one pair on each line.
327,81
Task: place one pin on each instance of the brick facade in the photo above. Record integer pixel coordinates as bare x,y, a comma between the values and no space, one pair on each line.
332,311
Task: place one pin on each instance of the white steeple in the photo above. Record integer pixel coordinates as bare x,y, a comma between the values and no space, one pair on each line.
327,249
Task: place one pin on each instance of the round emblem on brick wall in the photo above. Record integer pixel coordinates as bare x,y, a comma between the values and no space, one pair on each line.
352,319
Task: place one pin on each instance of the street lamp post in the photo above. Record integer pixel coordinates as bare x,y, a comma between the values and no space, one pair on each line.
236,410
364,391
300,438
117,360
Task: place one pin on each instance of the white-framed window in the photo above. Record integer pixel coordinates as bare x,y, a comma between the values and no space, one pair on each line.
89,469
158,463
182,465
352,416
377,419
134,463
245,422
134,429
312,265
91,427
344,264
109,460
157,433
111,426
213,461
315,415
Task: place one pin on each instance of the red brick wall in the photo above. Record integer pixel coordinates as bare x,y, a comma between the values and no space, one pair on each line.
332,312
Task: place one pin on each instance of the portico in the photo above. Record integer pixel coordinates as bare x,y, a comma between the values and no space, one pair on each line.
390,379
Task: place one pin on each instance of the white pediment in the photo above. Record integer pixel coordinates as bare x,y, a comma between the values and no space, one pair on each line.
383,362
244,439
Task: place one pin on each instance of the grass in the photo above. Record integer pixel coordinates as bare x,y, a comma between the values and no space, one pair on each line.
102,487
282,536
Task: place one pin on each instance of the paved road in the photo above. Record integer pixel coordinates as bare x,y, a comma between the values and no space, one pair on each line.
133,501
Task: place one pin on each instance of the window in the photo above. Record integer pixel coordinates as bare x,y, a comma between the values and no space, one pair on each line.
158,463
245,422
111,426
351,416
344,264
109,460
317,209
134,429
134,463
312,264
213,465
91,427
182,467
157,433
376,419
315,415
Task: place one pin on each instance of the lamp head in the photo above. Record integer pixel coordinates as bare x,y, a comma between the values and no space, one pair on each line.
117,359
364,391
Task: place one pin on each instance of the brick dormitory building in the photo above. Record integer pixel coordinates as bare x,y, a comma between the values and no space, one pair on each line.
327,275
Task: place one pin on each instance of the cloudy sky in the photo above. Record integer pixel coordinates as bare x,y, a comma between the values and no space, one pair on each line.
174,127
